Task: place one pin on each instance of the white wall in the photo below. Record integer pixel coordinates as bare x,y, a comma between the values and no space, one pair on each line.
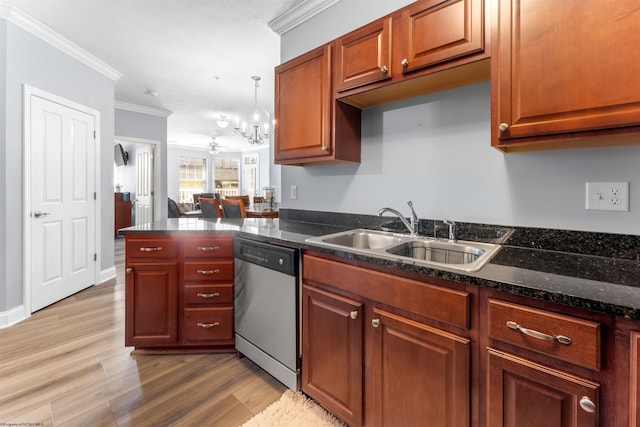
133,124
29,60
435,150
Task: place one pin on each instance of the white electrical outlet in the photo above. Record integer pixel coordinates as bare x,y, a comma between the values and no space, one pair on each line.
294,192
608,196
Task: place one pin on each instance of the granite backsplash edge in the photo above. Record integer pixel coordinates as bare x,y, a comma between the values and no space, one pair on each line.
609,245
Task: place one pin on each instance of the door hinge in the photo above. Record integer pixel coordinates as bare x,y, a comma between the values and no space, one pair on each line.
95,196
95,256
94,134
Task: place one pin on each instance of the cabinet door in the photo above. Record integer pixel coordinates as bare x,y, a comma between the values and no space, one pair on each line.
303,106
564,66
524,394
332,352
435,31
151,304
634,404
364,56
419,373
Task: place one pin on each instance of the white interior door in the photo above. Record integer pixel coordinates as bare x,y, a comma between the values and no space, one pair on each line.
144,186
62,200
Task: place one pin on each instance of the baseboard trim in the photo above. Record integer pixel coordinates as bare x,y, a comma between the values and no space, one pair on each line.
13,316
108,274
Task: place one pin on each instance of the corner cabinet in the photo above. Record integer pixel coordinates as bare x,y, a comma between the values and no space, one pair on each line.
179,292
311,126
563,71
360,355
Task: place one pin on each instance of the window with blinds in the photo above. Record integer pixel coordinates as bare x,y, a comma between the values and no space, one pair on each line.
193,172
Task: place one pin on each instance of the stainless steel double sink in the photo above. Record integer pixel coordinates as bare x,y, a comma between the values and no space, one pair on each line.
430,252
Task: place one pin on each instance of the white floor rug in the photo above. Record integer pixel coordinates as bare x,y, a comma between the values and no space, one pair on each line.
294,410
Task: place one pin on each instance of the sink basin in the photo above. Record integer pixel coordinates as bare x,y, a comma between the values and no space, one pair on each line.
460,255
435,251
362,239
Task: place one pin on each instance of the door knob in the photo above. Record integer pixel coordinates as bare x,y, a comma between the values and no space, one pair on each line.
38,214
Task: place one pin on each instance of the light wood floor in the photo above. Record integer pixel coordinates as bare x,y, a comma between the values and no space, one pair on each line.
67,366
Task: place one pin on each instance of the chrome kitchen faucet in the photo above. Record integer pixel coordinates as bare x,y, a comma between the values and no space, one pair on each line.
413,226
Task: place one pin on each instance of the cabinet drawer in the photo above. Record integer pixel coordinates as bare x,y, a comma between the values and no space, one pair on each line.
207,324
219,270
207,247
432,301
567,338
208,294
151,248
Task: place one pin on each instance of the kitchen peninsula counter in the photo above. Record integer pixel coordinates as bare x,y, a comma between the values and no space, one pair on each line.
594,282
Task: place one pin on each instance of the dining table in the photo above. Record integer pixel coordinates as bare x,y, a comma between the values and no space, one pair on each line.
256,210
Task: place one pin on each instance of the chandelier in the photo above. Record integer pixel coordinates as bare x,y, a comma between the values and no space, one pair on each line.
213,145
255,131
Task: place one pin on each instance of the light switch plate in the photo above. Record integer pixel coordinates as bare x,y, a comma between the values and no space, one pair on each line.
294,192
607,196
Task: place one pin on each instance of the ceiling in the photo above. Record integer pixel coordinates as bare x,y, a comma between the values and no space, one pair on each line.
198,55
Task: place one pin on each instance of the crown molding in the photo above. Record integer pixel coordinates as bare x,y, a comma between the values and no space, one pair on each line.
142,109
299,14
38,29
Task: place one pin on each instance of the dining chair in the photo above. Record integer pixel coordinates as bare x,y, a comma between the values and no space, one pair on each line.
244,198
233,208
210,207
258,199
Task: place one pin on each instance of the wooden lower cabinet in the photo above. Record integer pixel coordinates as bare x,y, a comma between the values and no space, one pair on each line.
179,292
634,387
332,349
370,364
418,373
525,394
151,313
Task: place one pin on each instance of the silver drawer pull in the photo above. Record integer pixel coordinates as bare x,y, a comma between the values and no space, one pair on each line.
539,335
156,249
201,295
208,325
208,248
353,315
208,272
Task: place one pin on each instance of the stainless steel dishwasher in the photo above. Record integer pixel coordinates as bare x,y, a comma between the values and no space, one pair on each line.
266,307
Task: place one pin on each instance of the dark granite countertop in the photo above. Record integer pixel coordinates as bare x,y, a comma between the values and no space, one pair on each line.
526,264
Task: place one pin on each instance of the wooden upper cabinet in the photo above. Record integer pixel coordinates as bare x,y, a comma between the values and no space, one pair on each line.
310,125
436,31
564,70
364,56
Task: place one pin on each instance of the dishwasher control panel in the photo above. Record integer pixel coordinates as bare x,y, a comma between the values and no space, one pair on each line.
274,257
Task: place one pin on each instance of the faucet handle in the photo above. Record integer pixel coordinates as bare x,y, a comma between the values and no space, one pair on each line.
452,230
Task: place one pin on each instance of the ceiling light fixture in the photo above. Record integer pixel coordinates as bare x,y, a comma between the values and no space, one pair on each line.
222,122
153,93
213,146
256,131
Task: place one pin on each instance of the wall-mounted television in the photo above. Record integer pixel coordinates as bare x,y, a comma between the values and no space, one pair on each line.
119,155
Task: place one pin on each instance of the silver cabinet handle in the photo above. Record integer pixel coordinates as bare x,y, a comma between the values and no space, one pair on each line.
207,248
38,214
213,295
323,148
129,270
353,314
375,323
208,325
156,249
384,69
404,62
503,127
208,272
587,405
539,335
